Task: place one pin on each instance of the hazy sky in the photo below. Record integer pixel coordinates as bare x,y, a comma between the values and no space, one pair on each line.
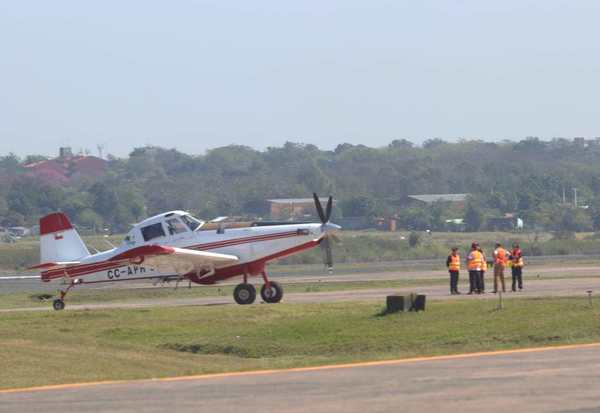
200,74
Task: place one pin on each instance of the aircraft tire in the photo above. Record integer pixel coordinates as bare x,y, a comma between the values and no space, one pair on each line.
58,304
244,294
271,295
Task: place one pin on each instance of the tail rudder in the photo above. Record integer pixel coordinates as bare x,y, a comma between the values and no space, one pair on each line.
59,241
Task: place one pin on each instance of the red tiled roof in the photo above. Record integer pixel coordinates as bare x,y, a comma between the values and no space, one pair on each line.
60,170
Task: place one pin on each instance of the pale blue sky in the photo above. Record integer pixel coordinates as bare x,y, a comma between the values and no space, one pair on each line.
200,74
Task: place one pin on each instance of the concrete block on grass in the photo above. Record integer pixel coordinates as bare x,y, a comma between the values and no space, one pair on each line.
410,302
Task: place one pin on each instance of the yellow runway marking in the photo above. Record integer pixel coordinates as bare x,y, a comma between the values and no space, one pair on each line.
304,369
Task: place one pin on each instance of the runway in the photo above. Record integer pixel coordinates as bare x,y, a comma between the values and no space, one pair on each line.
544,287
33,285
563,379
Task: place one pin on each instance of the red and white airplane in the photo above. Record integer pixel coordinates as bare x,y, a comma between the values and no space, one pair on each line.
173,245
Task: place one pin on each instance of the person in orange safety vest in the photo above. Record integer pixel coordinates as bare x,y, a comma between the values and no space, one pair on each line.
500,260
453,264
474,265
516,258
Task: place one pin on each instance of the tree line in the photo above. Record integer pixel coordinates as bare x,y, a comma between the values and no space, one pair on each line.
528,178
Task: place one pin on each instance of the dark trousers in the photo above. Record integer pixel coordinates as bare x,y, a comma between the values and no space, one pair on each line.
517,278
474,281
453,281
481,286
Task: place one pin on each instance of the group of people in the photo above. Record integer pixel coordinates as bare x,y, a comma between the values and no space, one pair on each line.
477,266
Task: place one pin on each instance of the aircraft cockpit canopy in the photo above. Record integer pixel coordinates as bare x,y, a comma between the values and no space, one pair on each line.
162,226
192,223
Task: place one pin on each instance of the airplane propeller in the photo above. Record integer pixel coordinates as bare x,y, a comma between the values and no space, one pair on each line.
327,229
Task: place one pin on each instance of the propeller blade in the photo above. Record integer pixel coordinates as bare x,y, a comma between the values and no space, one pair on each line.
328,208
319,208
328,256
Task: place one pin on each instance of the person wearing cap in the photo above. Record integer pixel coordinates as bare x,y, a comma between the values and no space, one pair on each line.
474,265
453,264
516,258
500,260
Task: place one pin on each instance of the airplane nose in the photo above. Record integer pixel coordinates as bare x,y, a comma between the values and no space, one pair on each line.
331,227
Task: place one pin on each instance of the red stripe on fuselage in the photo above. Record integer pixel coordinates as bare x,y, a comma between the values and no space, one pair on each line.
235,241
82,269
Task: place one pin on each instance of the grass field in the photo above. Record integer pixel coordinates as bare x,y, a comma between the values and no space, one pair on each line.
75,346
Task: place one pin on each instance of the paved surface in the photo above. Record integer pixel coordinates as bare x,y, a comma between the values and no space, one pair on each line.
534,288
531,272
558,380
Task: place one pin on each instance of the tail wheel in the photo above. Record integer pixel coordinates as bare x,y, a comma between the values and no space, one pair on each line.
273,293
244,293
58,304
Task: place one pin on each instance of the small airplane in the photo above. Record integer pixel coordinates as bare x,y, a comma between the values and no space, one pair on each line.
175,246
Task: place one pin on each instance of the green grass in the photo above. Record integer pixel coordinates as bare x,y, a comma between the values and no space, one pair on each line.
75,346
26,251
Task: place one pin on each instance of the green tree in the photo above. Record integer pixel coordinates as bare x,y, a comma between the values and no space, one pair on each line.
473,217
359,206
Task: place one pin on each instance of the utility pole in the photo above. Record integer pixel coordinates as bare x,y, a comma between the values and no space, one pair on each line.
575,197
564,196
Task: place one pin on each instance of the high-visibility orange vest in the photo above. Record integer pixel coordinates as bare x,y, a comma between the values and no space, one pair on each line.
483,262
517,258
454,263
475,261
500,256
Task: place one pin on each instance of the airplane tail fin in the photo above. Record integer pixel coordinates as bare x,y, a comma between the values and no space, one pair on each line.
59,242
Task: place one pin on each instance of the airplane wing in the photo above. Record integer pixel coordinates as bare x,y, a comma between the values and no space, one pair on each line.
179,260
20,277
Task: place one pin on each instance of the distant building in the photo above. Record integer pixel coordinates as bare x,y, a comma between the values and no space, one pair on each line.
292,208
457,200
455,224
507,222
67,168
64,152
432,198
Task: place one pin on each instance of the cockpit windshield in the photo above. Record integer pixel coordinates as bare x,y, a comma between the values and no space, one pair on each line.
192,223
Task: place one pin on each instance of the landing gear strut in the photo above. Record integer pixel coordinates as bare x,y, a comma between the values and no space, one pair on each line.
59,303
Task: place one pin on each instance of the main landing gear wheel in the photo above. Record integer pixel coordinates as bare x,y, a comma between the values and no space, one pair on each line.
58,304
271,294
244,294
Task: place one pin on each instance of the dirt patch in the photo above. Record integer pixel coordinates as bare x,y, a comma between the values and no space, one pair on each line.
208,349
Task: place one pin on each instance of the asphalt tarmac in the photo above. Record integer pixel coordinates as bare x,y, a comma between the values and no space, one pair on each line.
33,285
539,380
542,287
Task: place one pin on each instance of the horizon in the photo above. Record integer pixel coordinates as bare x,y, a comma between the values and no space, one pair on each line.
106,154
